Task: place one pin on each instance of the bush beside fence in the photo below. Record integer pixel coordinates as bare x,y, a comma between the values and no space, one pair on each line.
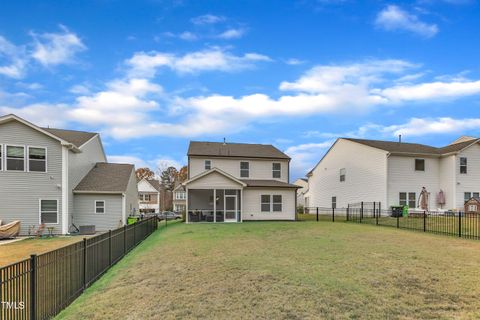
456,224
42,286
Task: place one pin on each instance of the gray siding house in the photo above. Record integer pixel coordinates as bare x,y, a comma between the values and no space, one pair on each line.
61,178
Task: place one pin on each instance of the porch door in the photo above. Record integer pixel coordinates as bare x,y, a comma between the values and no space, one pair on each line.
230,208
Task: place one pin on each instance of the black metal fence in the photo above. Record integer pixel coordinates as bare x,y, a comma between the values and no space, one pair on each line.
40,287
448,223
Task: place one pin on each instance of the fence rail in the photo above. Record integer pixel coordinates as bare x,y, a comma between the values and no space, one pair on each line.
449,223
42,286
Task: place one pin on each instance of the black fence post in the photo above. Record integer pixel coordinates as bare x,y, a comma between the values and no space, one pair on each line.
33,286
317,213
124,239
110,246
398,221
361,211
374,209
424,221
84,263
460,224
333,214
348,210
135,233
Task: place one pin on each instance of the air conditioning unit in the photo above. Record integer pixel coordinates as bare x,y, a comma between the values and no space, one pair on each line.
87,229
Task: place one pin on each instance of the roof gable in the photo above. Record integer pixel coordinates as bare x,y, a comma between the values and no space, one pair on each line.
245,150
211,171
77,138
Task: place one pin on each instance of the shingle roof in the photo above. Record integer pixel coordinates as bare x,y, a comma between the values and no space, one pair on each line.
78,138
106,177
415,148
156,184
268,183
219,149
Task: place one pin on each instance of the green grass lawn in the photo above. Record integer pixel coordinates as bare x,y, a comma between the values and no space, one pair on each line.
289,270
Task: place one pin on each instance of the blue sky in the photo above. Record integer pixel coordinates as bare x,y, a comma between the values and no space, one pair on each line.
153,75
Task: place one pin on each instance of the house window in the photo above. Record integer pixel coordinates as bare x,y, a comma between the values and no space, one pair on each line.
277,203
208,164
180,196
410,201
265,202
99,206
467,196
15,158
276,170
472,207
48,211
244,169
334,202
342,175
419,164
476,195
463,165
37,159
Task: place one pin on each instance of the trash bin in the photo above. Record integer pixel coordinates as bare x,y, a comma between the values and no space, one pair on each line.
405,211
397,211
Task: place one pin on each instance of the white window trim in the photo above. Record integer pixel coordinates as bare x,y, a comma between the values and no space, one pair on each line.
248,170
40,211
27,164
279,171
271,201
2,156
24,156
205,164
95,207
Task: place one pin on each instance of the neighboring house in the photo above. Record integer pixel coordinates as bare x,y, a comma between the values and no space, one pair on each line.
393,173
179,199
149,195
59,178
232,182
301,199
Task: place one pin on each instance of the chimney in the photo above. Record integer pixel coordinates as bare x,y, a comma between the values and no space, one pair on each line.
224,141
399,138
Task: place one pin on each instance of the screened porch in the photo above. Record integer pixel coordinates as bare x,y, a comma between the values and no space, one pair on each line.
214,205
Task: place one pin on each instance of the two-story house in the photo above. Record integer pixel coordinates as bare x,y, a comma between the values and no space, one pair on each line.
233,182
179,198
149,196
61,179
393,173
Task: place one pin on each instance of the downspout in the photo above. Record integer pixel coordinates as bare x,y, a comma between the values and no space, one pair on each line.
124,209
387,204
65,190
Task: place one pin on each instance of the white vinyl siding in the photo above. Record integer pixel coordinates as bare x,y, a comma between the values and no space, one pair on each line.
367,181
85,214
470,181
258,168
48,211
26,188
252,204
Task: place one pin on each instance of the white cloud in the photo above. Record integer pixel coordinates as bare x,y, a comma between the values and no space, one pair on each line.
294,61
395,18
188,36
425,126
14,59
207,19
431,91
140,162
305,156
144,64
232,34
42,114
56,48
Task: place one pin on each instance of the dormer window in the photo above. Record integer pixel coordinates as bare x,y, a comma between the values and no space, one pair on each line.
15,156
244,169
463,165
419,164
208,164
276,170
